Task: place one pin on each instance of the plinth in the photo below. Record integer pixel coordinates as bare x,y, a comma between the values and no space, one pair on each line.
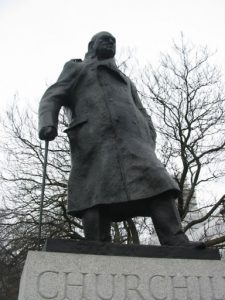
122,273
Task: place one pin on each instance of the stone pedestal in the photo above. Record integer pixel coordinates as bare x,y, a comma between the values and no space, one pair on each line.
73,276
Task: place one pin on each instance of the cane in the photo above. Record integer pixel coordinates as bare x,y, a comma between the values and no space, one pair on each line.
42,193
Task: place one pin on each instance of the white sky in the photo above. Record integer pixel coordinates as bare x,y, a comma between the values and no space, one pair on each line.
39,36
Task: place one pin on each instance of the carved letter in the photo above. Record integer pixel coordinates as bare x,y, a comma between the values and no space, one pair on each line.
214,289
159,278
68,284
133,288
184,286
98,279
44,284
200,288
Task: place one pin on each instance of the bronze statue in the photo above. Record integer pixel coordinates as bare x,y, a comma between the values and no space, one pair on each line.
115,173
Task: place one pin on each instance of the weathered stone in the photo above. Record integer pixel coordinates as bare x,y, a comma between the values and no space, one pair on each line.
63,276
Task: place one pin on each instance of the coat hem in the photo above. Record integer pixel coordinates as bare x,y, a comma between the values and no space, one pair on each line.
123,206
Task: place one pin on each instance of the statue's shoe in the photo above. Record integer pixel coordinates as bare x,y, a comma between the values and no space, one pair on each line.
190,244
199,245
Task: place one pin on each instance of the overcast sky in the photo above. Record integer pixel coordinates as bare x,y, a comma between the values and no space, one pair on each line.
39,36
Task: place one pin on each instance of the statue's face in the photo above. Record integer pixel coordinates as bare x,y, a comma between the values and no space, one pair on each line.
105,46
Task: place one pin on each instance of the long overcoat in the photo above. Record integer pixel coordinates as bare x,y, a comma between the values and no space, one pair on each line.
112,138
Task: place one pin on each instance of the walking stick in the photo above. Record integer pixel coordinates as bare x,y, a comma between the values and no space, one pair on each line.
42,194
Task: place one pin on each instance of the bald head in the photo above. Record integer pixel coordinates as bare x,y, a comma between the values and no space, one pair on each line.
102,45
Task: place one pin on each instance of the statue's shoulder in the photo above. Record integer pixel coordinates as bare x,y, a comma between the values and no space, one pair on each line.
73,62
76,60
123,74
72,66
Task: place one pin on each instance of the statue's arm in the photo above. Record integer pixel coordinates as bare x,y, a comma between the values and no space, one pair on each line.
53,99
143,111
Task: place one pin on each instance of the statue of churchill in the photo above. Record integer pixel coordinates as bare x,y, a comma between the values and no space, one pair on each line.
115,173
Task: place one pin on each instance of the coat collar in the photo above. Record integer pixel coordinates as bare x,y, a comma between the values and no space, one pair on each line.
106,64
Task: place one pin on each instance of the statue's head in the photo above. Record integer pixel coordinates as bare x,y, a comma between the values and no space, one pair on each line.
102,46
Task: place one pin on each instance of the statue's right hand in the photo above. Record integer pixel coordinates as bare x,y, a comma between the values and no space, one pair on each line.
48,133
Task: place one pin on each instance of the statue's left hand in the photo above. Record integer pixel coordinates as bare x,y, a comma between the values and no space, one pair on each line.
48,133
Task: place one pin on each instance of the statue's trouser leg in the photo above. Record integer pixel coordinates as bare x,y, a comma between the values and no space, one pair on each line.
166,220
96,225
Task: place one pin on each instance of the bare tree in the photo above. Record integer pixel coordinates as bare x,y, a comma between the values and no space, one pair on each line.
21,178
186,96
